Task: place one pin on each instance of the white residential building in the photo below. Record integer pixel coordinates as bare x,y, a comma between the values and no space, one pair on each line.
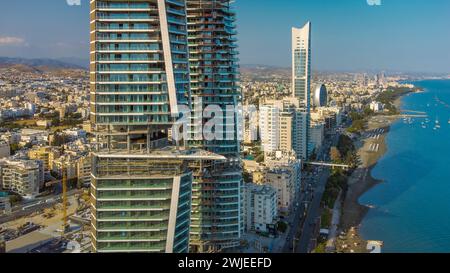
282,126
24,177
33,136
250,124
269,124
283,180
260,207
287,161
376,106
331,116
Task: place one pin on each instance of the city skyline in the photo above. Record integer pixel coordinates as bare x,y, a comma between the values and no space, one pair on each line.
349,36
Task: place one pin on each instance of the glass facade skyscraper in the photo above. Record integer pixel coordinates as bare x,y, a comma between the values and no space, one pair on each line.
141,184
217,220
301,85
150,193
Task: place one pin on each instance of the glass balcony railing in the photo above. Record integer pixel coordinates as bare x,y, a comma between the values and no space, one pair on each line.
127,59
112,5
126,16
129,226
134,207
136,196
131,238
127,38
127,248
129,216
128,47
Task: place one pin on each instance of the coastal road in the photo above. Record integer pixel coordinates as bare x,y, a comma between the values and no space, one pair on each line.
305,216
312,214
297,217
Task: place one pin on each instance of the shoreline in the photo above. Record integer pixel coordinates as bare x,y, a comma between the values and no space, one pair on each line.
362,181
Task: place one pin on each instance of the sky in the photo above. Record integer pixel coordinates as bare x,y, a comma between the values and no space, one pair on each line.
347,35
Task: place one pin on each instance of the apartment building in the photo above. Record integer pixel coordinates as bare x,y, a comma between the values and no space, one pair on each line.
141,185
282,126
23,177
217,213
260,208
84,170
269,126
46,154
283,181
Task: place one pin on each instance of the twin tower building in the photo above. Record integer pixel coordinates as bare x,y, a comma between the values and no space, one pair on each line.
150,61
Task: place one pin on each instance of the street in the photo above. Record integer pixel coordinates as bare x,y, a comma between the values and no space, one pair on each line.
305,216
36,205
312,214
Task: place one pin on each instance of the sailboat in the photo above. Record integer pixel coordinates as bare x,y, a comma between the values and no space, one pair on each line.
438,125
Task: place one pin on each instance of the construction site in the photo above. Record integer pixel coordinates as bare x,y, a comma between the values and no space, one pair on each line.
63,227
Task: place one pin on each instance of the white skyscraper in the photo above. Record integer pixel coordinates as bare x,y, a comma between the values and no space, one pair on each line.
269,120
301,79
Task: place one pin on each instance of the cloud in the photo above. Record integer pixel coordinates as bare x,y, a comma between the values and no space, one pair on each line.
73,2
6,41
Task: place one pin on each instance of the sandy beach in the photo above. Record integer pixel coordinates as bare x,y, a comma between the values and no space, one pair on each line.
371,147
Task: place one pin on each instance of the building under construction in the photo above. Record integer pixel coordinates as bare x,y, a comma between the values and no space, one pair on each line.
217,218
141,186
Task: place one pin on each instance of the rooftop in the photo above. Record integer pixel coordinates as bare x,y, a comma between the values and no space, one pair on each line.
165,153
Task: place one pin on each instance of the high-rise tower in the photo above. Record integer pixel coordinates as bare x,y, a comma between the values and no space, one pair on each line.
217,220
141,184
301,82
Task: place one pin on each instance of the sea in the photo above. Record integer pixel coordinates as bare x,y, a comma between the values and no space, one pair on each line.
411,211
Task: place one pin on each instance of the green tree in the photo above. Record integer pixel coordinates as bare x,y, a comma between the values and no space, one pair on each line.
335,155
14,148
282,227
260,158
15,199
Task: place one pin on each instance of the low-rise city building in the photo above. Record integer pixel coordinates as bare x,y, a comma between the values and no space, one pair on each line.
84,168
46,154
376,106
260,208
23,177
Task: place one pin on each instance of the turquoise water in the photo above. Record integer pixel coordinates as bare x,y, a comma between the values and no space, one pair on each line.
412,207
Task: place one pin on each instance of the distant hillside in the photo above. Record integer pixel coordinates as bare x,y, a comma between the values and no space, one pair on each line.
264,71
40,64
